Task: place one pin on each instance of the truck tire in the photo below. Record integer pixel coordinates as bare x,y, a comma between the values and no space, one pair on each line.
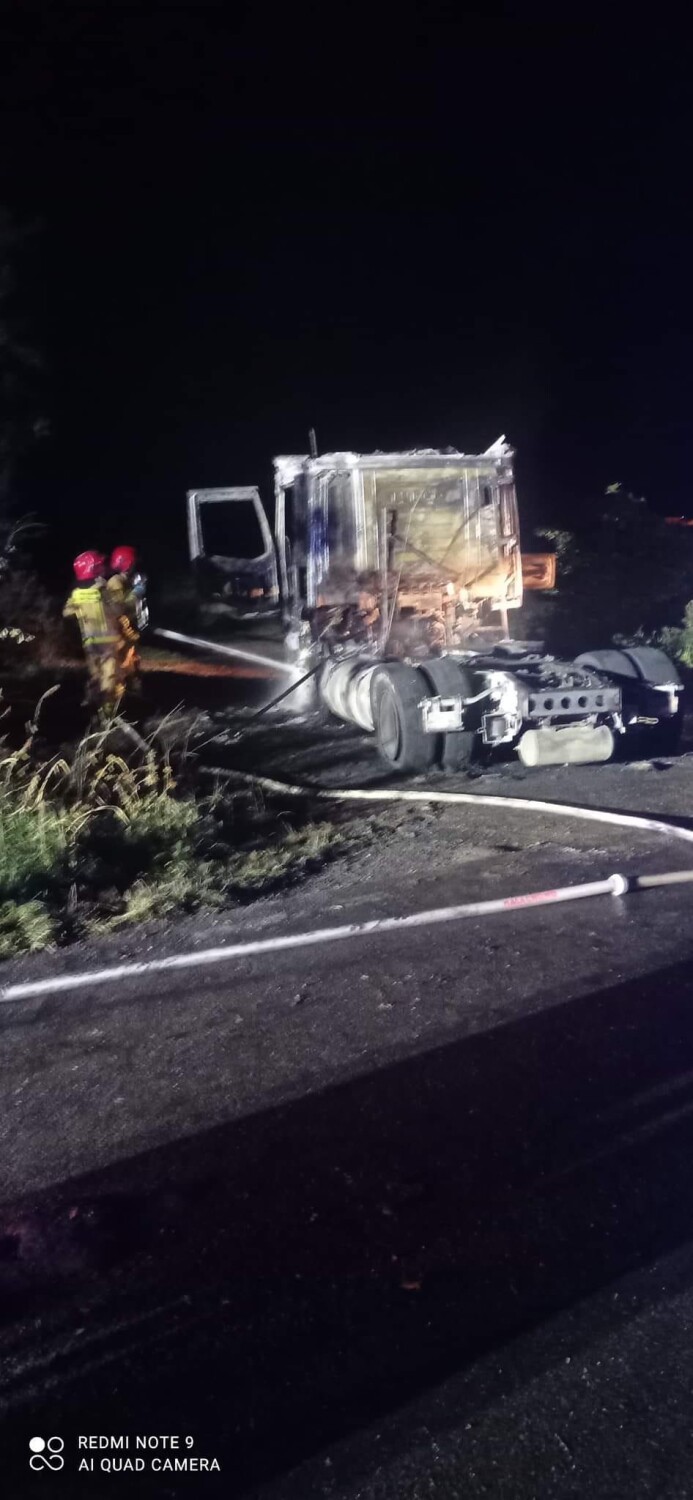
396,692
447,680
657,670
637,668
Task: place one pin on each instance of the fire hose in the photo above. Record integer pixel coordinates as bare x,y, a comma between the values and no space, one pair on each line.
411,794
613,885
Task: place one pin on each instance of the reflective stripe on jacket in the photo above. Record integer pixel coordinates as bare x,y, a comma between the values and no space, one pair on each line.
90,606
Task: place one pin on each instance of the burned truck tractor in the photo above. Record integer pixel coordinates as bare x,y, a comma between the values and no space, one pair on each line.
221,523
398,575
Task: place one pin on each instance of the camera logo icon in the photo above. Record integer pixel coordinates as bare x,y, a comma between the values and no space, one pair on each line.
46,1453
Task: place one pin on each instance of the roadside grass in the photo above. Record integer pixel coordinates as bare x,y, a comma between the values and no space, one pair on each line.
114,831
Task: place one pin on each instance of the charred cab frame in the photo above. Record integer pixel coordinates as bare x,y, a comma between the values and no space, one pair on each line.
239,586
398,575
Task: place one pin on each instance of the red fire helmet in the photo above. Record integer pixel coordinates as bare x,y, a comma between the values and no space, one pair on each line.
123,559
88,566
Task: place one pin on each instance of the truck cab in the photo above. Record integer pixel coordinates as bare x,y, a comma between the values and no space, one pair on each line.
422,546
396,575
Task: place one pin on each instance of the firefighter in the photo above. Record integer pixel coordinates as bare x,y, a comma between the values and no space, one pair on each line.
90,605
125,590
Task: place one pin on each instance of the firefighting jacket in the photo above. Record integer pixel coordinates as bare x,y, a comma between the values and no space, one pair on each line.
124,604
90,605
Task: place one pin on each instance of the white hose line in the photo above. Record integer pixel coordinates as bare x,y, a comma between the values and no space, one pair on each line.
394,794
644,882
614,885
251,656
618,885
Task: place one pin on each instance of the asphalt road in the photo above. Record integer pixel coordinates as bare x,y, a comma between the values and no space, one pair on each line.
401,1217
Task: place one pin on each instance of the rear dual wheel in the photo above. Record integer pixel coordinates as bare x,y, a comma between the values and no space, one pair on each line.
666,735
637,670
396,693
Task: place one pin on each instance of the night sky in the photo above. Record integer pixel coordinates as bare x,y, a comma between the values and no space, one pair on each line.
420,231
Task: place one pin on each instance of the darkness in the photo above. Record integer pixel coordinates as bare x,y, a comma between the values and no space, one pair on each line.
417,230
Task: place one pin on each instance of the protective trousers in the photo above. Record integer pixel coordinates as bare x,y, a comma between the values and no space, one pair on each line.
105,681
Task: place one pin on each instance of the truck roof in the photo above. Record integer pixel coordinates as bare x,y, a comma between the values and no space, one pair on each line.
288,465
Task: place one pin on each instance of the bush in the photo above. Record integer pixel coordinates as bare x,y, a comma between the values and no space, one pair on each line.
30,627
76,834
24,927
624,574
677,640
31,630
106,836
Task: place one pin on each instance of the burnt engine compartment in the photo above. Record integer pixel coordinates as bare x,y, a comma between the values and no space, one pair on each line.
402,619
